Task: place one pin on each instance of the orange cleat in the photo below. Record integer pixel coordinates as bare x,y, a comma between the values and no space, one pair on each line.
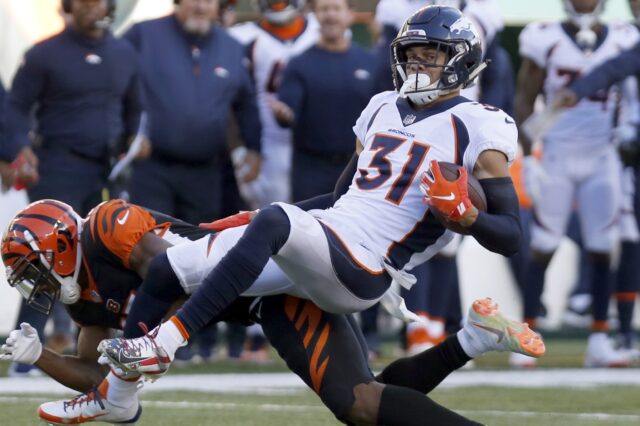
489,330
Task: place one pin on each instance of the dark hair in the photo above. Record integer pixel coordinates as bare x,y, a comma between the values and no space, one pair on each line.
66,7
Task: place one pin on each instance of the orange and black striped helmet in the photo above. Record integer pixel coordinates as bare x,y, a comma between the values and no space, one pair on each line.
39,249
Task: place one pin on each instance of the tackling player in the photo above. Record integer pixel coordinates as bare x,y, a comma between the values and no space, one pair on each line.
103,265
579,161
344,257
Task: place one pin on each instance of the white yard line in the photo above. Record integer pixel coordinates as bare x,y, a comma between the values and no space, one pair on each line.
286,383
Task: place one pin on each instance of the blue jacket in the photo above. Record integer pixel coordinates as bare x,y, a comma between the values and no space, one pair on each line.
327,91
86,95
190,85
3,95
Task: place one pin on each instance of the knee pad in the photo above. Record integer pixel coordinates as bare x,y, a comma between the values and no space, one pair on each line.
274,225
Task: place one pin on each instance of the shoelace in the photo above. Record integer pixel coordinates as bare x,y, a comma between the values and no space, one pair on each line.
150,341
93,395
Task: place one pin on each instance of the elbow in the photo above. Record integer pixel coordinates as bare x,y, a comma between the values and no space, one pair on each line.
511,245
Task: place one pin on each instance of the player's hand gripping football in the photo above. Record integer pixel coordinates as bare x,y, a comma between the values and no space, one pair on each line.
238,219
451,198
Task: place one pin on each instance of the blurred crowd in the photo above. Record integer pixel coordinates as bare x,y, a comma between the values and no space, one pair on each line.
199,117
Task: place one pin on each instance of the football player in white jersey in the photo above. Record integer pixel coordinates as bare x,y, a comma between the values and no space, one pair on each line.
486,16
381,223
282,32
580,164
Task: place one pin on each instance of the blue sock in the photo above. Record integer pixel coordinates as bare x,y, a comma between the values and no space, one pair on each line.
627,281
533,288
600,290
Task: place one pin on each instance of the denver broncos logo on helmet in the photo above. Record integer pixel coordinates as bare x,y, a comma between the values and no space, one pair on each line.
39,247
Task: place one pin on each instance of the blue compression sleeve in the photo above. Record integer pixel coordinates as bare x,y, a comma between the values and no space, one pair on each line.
499,229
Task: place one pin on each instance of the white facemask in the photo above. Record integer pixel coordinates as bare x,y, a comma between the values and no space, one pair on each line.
419,89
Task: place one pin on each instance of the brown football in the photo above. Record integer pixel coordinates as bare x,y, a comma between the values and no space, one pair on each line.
476,194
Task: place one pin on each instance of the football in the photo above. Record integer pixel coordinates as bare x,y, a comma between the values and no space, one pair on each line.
476,194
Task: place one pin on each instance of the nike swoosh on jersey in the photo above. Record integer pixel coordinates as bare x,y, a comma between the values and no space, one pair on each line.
495,331
509,121
449,197
124,218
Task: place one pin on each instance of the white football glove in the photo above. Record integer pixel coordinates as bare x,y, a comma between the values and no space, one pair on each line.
534,177
22,345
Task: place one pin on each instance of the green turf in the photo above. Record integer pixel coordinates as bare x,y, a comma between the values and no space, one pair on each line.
493,406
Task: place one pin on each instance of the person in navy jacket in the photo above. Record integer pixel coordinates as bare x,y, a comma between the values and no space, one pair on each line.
193,75
84,86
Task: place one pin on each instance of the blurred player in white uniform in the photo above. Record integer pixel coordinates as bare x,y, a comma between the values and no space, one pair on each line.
282,32
580,165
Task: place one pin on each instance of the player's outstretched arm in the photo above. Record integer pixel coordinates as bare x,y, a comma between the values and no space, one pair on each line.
81,371
616,69
498,229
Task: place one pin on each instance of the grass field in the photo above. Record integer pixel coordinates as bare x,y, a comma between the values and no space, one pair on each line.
603,405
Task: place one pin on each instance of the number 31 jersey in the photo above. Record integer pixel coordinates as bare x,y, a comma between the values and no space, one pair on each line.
383,209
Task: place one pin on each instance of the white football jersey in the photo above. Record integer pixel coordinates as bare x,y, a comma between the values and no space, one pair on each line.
383,209
589,123
269,56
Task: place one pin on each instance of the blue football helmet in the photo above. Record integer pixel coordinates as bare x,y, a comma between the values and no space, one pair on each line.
448,30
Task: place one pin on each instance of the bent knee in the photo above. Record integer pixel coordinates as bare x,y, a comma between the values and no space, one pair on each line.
271,225
272,216
367,402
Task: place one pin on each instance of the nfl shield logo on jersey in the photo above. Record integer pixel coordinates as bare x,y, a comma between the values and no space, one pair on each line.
409,119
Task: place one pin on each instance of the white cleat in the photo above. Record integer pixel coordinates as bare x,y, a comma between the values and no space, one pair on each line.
140,355
88,407
489,330
600,353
